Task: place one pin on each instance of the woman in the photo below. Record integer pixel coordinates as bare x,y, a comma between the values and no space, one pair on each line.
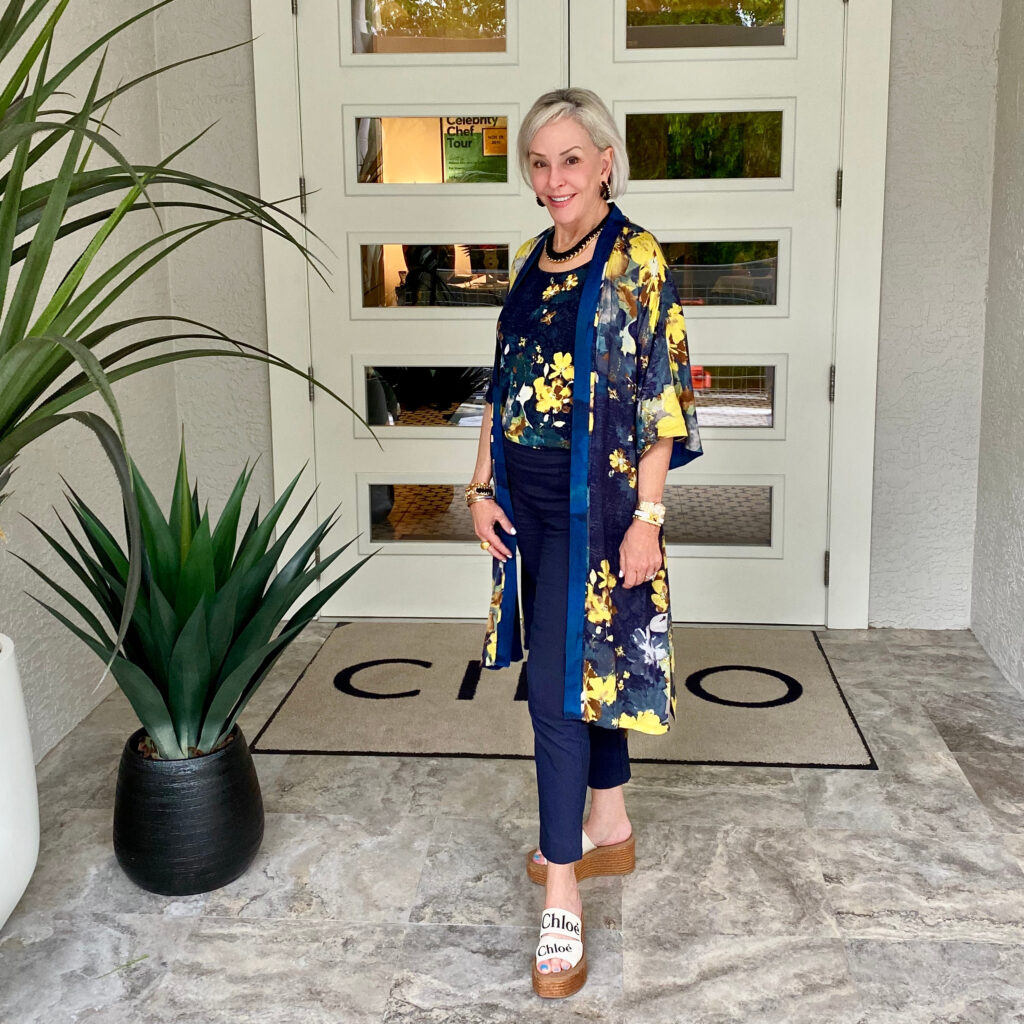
590,404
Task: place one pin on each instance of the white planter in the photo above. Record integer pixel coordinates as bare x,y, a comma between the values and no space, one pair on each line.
19,803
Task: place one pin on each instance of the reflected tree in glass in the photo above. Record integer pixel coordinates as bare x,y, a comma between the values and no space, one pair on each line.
724,273
748,13
714,144
376,23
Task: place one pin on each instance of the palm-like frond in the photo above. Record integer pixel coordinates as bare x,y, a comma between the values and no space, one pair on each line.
201,637
42,337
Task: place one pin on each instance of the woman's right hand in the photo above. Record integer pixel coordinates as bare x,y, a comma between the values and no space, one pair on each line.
486,514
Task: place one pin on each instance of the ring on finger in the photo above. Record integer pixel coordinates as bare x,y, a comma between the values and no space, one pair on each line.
485,544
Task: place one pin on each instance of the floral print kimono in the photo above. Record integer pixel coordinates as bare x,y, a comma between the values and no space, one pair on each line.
631,345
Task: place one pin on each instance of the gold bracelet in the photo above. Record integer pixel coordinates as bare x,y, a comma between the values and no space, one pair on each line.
480,497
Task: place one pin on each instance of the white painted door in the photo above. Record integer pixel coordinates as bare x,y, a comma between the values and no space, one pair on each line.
389,111
759,104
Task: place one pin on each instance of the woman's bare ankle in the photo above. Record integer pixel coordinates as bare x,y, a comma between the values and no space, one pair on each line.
607,832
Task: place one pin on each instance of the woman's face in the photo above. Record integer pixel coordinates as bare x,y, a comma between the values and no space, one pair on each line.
566,170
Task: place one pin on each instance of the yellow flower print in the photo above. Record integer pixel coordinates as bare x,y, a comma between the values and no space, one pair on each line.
599,688
659,586
645,721
605,577
570,282
547,400
551,291
598,605
675,333
641,248
618,261
562,365
547,316
618,461
516,427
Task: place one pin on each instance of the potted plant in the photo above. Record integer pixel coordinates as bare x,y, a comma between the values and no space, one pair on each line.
45,335
188,815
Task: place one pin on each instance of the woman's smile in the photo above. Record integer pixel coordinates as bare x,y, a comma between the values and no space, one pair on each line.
566,172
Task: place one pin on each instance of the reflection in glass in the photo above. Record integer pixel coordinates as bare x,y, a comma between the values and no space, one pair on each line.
734,396
431,150
434,275
419,512
696,514
718,514
664,23
426,396
437,26
725,273
712,144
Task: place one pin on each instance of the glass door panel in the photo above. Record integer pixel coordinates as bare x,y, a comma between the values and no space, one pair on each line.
409,113
657,24
441,26
733,161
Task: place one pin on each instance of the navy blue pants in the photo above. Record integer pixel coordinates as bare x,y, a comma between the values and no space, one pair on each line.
570,754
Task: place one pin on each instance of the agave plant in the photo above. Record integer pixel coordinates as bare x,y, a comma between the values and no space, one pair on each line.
43,337
201,634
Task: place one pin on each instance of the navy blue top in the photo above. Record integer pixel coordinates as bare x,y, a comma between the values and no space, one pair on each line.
537,332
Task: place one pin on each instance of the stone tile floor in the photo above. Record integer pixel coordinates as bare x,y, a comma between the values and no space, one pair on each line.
390,889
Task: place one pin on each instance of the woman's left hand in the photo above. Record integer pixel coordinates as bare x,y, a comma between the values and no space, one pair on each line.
639,553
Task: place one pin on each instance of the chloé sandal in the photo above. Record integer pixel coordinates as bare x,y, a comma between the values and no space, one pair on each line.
556,925
616,859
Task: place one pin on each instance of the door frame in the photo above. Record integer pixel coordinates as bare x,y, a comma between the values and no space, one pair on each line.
864,121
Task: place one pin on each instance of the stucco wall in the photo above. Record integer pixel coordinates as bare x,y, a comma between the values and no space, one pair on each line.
59,674
997,612
932,324
218,277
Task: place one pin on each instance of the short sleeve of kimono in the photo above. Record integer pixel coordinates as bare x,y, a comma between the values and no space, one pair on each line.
662,362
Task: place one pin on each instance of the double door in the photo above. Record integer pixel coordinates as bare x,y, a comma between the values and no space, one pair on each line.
731,113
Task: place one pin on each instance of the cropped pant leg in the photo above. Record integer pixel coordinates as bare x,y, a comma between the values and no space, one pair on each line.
570,754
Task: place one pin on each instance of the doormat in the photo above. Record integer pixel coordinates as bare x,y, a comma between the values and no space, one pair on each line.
743,697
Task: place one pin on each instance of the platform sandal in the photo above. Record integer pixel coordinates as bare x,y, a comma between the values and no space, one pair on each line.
556,925
616,859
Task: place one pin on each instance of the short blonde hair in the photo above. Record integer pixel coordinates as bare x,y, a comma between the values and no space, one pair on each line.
589,110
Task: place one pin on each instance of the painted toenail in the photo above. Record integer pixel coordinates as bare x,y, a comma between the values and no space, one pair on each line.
543,967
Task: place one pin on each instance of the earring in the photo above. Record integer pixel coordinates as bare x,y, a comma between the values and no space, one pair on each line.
606,192
540,202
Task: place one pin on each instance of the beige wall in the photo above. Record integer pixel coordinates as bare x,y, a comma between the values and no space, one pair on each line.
938,187
997,611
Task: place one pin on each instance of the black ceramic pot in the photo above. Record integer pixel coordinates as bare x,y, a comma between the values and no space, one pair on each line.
182,827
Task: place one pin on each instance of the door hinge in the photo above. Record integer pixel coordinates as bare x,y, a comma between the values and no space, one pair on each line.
832,383
295,6
316,555
826,568
839,187
309,374
302,194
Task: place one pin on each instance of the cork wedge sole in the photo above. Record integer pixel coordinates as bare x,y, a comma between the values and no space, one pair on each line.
617,859
558,985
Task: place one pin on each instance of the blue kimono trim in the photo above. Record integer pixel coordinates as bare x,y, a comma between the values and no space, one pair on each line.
579,466
509,640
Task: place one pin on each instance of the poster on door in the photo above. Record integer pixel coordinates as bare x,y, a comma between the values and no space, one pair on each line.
475,148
